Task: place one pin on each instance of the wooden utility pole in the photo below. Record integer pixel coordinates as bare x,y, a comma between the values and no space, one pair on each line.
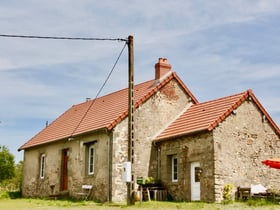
130,113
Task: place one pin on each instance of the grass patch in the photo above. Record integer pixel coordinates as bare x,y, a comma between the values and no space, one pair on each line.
172,205
260,202
34,204
29,204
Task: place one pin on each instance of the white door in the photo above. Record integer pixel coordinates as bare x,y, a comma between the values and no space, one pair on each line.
195,181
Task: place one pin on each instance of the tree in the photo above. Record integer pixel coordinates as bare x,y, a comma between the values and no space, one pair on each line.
7,164
17,180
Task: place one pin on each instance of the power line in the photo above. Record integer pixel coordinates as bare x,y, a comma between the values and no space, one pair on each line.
75,38
81,39
117,60
62,38
93,100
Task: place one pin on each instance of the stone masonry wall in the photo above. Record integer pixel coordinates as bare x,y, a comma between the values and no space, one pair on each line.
149,119
34,186
242,141
193,148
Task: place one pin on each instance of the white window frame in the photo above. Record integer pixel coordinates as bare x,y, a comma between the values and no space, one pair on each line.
174,166
42,165
91,158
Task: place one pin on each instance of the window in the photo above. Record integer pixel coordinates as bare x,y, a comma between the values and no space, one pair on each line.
174,169
198,172
91,160
42,165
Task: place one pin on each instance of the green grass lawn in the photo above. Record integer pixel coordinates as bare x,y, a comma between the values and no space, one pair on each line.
40,204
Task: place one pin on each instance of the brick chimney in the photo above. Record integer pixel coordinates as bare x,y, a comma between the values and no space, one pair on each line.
162,68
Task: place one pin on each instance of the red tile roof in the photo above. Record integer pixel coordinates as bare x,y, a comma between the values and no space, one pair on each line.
102,113
207,115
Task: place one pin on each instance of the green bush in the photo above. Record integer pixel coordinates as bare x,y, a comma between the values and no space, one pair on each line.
4,195
227,193
10,194
152,180
14,194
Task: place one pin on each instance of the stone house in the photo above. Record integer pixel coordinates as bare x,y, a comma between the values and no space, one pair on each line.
216,143
193,148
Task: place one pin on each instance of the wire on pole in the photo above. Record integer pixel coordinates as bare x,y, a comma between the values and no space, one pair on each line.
62,38
98,93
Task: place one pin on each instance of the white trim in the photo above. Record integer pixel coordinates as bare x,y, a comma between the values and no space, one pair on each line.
195,184
42,165
91,155
174,165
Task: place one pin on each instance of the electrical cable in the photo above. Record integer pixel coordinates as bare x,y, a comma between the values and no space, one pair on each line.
118,58
62,38
81,39
103,85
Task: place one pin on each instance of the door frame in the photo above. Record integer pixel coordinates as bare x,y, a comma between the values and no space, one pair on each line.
195,186
64,169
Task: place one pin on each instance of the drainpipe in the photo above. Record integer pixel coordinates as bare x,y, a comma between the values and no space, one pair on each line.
109,166
158,160
157,147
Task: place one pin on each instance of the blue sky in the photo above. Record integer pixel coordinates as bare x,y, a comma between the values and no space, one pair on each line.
218,48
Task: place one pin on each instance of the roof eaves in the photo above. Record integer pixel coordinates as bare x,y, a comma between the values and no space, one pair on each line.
142,100
161,84
111,125
180,135
74,135
26,146
229,111
185,88
60,139
262,109
246,94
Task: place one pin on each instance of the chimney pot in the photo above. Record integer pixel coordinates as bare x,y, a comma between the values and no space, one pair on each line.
162,68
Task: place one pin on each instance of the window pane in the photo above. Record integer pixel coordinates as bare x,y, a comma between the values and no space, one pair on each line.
174,169
197,171
91,160
42,166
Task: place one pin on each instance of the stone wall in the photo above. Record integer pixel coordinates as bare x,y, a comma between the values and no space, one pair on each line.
149,119
230,154
242,141
34,186
119,156
193,148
